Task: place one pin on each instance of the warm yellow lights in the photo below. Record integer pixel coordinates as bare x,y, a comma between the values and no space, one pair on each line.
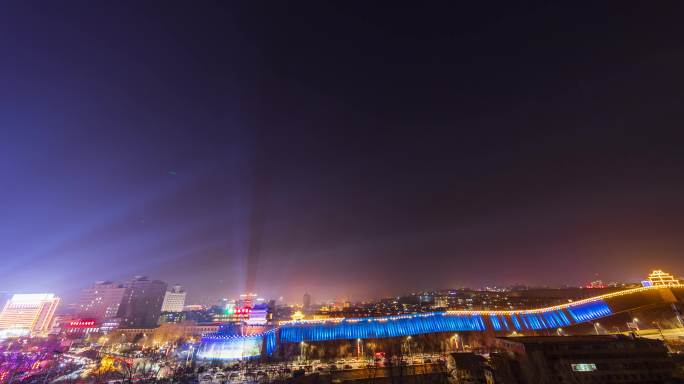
658,277
297,316
556,307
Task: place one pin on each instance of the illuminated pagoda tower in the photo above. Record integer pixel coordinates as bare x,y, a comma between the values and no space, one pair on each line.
658,277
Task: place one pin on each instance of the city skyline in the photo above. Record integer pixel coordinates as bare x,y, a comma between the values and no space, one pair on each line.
343,150
290,192
217,297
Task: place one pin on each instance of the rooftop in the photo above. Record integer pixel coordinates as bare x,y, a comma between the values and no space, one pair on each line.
568,339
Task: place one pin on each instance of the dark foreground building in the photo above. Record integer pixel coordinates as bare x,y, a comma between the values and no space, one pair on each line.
142,303
468,368
582,359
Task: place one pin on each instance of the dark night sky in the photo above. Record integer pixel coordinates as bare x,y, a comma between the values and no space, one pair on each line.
345,149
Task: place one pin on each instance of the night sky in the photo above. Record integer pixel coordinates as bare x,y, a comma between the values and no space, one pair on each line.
349,150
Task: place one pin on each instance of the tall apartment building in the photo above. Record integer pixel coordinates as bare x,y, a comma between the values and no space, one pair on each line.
32,312
142,303
101,300
174,300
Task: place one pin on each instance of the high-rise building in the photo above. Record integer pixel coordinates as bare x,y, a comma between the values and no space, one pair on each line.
174,300
306,302
32,312
142,303
101,300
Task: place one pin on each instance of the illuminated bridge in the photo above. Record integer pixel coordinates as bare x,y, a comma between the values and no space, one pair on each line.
232,344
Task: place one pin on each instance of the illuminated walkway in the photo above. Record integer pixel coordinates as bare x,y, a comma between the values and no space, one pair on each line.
569,314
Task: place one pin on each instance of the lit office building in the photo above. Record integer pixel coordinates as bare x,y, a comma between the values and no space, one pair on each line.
101,300
79,327
174,300
441,302
32,312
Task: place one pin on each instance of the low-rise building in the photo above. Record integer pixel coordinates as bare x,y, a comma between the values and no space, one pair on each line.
601,359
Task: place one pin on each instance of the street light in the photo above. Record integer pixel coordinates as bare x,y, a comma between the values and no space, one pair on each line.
660,330
596,325
190,353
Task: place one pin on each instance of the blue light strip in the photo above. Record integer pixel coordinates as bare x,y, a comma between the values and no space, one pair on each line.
374,328
271,344
495,323
535,321
440,322
556,319
589,311
505,323
524,320
516,322
397,326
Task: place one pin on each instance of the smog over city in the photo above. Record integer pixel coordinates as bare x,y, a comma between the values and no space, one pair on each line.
201,186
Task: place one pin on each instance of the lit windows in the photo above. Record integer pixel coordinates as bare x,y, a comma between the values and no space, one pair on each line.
583,367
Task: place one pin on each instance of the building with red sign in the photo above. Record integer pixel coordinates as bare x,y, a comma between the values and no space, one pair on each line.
79,326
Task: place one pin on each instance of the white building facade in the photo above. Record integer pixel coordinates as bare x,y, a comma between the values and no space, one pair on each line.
174,300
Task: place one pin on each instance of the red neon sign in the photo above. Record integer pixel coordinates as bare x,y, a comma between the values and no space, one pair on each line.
81,323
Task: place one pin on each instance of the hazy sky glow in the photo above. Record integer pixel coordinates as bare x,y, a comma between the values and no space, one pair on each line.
338,149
